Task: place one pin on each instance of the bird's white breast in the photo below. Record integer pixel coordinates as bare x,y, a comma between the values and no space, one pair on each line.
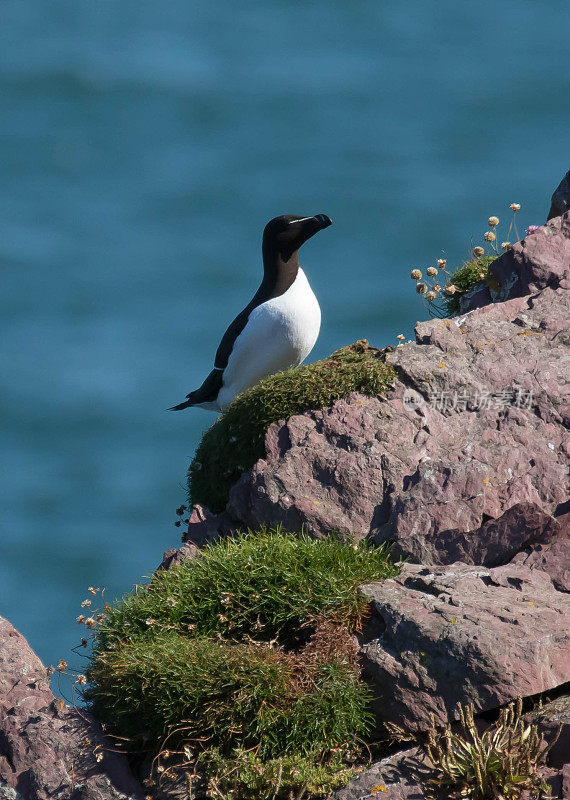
279,334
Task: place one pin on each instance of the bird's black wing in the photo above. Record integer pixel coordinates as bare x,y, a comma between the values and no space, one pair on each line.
228,339
208,391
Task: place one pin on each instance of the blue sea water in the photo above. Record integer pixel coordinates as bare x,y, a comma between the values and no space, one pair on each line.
143,146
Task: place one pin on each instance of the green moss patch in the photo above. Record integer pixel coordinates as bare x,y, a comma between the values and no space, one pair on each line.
236,441
465,278
242,660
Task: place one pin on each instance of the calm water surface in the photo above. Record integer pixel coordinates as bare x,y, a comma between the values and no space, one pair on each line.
143,147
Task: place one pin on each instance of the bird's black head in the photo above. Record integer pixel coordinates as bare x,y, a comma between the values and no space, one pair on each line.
284,235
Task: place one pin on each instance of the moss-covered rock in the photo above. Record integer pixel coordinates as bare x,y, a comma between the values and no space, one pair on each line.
236,440
465,278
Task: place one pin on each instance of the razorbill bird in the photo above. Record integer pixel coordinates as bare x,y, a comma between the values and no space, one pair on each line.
277,329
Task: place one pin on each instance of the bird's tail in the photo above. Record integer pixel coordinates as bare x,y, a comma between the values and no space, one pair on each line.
181,406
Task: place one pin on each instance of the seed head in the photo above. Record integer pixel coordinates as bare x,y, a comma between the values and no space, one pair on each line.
416,275
441,262
84,643
400,337
451,289
431,296
478,251
493,222
91,590
431,271
90,622
50,670
86,604
81,680
515,206
436,287
489,236
80,619
421,288
62,665
506,246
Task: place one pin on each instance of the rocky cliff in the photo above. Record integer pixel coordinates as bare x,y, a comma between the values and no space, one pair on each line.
463,467
475,425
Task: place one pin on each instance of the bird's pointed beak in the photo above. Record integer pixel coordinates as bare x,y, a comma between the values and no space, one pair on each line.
308,226
322,220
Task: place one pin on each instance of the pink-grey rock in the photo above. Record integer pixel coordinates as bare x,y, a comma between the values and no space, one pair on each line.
461,633
540,260
468,451
205,527
566,782
476,425
522,527
177,555
477,297
552,557
560,203
552,719
49,750
396,777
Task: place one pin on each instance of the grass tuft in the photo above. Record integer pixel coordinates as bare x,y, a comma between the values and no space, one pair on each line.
247,777
261,585
237,439
465,278
242,660
225,695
